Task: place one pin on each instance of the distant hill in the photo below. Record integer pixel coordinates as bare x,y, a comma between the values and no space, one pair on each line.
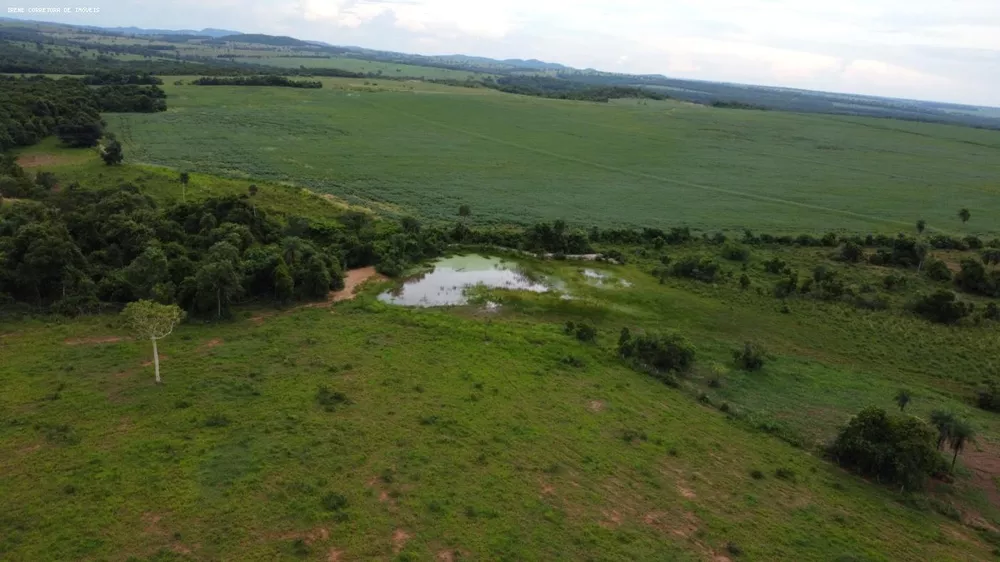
207,32
261,39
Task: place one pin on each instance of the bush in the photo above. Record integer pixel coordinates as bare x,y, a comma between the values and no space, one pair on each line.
756,474
216,420
750,357
658,352
775,265
989,397
703,269
334,502
851,252
942,307
974,278
330,399
894,281
785,474
736,252
898,450
937,270
582,331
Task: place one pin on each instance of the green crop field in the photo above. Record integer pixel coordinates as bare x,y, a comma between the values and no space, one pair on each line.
366,66
518,159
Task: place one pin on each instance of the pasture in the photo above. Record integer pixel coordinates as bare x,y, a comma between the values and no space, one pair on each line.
427,149
438,455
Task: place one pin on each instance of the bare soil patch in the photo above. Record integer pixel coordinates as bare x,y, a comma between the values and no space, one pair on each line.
353,280
39,160
92,341
334,555
399,540
984,465
596,405
211,344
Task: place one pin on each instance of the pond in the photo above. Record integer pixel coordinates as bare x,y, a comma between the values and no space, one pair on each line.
449,279
602,279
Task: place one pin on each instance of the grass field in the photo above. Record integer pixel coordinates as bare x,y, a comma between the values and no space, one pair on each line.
519,159
463,439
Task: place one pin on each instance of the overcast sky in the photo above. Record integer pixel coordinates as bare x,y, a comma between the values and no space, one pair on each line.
919,49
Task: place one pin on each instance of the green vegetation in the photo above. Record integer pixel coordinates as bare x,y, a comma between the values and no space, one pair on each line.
519,160
765,315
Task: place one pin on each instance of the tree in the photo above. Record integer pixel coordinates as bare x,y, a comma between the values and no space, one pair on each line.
111,153
897,449
943,422
219,277
284,286
921,226
961,434
965,215
902,398
464,211
744,282
154,321
184,179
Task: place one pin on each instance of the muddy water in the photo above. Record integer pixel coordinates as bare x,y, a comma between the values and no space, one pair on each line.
446,283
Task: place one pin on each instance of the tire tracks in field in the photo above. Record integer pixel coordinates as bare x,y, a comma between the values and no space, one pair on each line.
644,175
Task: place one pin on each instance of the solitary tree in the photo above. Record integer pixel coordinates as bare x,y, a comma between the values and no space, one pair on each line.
902,398
184,179
961,434
921,226
965,215
111,153
154,321
464,211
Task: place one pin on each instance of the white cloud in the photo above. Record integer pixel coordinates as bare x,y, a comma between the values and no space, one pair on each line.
923,48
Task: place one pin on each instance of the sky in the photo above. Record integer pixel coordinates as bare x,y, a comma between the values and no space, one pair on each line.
920,49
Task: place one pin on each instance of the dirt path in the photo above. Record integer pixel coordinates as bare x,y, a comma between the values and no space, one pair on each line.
353,280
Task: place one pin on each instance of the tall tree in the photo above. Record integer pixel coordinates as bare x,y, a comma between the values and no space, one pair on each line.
965,215
921,226
154,321
220,278
464,211
961,435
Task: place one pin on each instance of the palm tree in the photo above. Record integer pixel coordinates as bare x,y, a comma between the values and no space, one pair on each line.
943,422
965,215
902,398
961,434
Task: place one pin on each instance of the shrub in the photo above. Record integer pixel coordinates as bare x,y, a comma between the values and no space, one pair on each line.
899,450
894,281
736,252
330,399
734,549
992,311
942,307
937,270
660,352
785,474
989,397
744,281
703,269
775,265
334,502
756,474
851,252
974,278
750,357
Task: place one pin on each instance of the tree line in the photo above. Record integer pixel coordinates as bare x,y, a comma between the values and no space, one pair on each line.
33,108
266,80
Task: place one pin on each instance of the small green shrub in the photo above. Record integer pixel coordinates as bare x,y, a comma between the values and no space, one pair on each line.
751,357
785,474
937,270
736,252
216,420
330,400
334,502
756,474
988,397
659,352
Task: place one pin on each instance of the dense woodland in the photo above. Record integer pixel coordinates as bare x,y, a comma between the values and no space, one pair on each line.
34,108
266,80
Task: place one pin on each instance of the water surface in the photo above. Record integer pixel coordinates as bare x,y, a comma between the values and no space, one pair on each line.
448,280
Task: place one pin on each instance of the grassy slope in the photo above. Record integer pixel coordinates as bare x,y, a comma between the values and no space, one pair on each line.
493,449
515,159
